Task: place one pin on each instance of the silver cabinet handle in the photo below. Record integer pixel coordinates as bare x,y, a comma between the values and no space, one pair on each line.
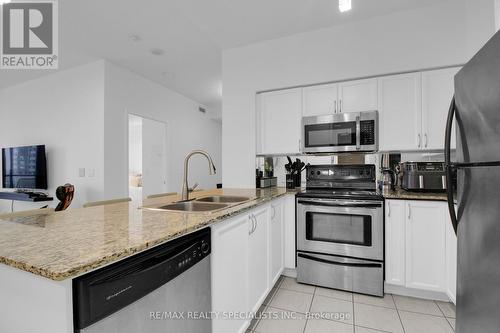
409,212
274,212
251,229
388,209
300,148
425,140
335,109
340,108
419,140
255,219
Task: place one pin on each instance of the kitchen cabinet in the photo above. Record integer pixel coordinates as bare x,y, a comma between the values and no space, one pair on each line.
437,92
400,110
358,96
349,96
258,258
276,241
395,234
279,115
425,245
320,100
230,275
289,232
451,261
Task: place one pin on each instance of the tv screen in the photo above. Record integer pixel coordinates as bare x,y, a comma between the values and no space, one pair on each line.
24,167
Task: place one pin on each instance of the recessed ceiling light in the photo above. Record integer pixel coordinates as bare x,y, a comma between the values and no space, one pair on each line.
157,52
345,5
134,38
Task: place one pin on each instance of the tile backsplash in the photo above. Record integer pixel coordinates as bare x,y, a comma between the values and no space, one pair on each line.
280,161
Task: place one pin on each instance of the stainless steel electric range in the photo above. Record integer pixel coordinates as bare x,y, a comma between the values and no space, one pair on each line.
340,229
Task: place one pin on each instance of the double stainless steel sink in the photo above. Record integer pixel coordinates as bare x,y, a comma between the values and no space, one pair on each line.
203,205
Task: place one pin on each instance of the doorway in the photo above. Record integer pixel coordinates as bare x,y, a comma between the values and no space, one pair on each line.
147,157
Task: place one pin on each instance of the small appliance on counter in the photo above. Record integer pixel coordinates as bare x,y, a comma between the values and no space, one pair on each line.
265,179
423,176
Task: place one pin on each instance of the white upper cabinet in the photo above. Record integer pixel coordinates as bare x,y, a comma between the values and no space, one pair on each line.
437,92
320,100
279,116
358,96
395,242
425,245
400,105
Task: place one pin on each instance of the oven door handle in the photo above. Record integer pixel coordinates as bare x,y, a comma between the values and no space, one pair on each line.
338,263
330,203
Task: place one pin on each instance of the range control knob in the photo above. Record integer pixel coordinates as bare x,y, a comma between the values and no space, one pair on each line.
205,248
318,173
312,173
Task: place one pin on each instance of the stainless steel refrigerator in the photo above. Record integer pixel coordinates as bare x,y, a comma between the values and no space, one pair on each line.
476,107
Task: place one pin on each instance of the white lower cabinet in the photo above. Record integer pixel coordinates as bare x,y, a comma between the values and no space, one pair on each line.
425,245
289,233
419,247
395,242
247,259
451,262
276,241
230,275
258,258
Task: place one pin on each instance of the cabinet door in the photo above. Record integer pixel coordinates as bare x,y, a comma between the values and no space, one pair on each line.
437,92
451,261
400,102
320,100
289,231
395,242
258,258
279,116
276,241
358,96
230,272
425,245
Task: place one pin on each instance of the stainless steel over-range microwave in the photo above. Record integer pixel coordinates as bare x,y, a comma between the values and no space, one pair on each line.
341,132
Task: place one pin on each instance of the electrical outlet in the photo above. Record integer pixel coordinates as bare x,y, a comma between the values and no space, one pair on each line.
81,172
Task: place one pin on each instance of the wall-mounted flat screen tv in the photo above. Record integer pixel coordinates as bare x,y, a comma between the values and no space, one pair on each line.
24,167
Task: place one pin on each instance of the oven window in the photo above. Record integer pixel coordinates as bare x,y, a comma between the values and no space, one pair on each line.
330,135
339,228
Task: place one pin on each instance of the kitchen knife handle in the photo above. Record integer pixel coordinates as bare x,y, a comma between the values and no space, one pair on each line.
448,165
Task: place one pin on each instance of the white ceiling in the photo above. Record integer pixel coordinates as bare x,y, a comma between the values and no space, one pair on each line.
192,33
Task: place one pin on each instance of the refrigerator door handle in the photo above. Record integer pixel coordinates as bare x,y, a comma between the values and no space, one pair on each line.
449,166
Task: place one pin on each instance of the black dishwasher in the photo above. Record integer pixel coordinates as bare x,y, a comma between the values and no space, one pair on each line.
165,289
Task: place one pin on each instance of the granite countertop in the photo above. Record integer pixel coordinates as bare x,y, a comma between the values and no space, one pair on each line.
62,245
400,194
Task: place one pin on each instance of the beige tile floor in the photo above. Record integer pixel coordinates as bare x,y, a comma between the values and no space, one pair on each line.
345,312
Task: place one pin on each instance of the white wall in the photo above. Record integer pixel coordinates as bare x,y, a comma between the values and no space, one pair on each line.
187,129
63,111
440,35
497,15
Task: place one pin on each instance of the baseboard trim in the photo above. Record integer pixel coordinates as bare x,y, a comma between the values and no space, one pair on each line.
290,272
403,291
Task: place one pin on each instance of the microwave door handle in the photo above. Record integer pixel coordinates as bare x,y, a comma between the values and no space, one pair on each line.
358,133
338,263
